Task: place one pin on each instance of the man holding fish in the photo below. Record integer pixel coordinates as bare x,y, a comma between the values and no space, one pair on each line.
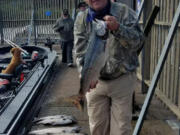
109,95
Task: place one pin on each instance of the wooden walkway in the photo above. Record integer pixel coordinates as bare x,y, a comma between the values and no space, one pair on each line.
65,83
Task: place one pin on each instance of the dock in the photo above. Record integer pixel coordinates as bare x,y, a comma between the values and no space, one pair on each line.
65,82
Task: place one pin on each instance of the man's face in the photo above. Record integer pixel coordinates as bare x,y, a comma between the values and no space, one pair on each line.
97,4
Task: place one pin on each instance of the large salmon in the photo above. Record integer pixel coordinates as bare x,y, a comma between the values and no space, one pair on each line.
94,60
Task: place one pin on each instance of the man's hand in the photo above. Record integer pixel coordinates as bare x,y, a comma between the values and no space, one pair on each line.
92,85
111,22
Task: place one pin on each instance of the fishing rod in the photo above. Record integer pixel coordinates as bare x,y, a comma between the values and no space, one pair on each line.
15,45
149,24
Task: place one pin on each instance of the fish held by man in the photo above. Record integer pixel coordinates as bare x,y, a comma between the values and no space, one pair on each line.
94,60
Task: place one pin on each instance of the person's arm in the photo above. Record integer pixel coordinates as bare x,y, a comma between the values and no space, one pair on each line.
58,27
127,32
80,41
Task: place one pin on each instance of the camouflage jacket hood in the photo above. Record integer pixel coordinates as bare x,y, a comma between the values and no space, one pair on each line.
123,46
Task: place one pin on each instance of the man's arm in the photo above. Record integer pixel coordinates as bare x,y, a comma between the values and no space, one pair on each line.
80,40
126,30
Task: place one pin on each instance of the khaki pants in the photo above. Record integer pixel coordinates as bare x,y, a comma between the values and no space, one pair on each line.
109,106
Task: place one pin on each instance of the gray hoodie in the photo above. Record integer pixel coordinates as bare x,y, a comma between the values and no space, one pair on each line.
65,28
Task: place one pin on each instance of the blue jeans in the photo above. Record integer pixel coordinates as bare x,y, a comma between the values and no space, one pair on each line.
67,51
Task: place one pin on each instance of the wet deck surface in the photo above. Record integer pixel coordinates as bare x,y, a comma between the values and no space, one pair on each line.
65,82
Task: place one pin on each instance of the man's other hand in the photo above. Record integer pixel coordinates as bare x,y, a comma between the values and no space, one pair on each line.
92,85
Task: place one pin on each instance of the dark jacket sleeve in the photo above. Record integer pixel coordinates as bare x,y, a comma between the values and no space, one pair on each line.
58,26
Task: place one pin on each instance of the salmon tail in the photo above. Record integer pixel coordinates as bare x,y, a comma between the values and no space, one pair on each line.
76,100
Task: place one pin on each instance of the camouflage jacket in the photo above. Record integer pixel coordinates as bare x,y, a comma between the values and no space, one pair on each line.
65,28
123,46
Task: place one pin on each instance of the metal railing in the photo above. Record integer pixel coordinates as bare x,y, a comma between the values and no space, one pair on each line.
19,25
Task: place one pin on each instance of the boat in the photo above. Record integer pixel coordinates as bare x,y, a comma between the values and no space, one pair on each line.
25,86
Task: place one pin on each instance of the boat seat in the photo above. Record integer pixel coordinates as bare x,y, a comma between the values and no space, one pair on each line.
6,76
10,81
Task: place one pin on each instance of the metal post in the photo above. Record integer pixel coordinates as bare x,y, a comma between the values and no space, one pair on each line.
158,71
34,23
1,27
149,24
147,30
143,86
30,27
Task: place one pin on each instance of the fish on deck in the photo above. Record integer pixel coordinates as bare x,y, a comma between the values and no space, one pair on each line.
67,134
56,120
94,60
57,130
